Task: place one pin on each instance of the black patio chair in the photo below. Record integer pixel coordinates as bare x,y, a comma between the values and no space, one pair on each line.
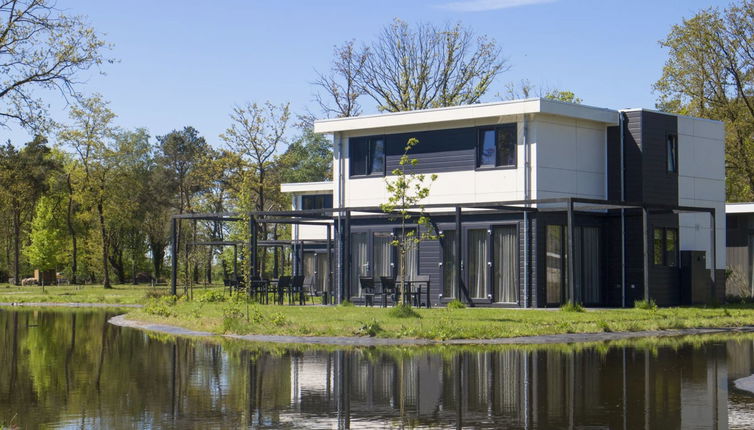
419,285
367,290
388,290
310,288
297,290
259,289
284,285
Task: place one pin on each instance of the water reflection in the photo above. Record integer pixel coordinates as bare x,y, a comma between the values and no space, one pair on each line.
72,369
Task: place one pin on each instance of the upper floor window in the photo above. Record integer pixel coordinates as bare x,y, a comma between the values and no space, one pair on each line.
672,153
367,156
316,201
496,146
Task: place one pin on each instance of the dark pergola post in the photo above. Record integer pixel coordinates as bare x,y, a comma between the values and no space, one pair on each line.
459,261
174,255
329,264
645,245
571,254
347,257
235,263
253,271
713,248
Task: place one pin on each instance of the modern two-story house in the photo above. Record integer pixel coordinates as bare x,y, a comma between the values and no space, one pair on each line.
536,203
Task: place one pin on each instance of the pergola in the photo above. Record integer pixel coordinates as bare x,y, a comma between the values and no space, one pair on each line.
340,219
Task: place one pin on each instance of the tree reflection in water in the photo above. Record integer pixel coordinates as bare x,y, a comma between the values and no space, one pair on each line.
71,368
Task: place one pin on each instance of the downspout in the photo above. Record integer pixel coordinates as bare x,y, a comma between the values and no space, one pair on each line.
527,197
338,144
622,212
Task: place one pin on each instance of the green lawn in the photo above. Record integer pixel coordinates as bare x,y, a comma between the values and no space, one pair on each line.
206,314
119,294
469,323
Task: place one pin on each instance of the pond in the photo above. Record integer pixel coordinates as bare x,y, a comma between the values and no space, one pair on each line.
70,368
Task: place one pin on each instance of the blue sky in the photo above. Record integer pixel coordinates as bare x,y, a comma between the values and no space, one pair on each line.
188,62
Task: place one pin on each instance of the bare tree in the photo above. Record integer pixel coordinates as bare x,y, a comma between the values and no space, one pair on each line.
428,66
40,48
524,89
409,68
341,85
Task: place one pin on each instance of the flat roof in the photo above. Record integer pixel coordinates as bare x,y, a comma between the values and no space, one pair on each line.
469,112
739,208
307,187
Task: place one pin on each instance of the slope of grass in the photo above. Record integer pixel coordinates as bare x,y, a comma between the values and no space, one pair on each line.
119,294
469,323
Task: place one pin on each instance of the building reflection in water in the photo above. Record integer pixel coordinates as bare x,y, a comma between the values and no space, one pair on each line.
75,370
621,388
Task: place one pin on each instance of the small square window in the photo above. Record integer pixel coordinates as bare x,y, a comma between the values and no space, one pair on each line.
672,153
671,247
496,147
658,247
367,156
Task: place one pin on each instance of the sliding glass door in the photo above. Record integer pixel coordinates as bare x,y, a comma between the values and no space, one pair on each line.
556,263
449,265
359,261
587,265
477,273
382,254
505,264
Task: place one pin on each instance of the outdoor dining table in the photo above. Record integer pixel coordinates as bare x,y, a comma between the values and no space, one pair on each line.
414,290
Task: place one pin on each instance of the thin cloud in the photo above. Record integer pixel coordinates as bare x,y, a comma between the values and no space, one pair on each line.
485,5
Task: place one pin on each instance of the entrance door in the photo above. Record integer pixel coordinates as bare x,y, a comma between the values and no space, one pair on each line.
555,264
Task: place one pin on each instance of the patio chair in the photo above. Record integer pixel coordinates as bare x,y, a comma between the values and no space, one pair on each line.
297,289
388,289
259,289
420,284
284,285
310,288
367,290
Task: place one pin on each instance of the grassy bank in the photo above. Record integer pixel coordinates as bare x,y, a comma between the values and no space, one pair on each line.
119,294
468,323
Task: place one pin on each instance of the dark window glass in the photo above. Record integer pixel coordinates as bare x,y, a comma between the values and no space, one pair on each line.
317,201
658,246
672,153
506,146
497,146
367,156
358,155
377,156
671,247
487,150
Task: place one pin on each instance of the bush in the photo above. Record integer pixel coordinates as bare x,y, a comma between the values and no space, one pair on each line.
604,326
647,305
211,297
456,304
346,304
161,306
278,319
403,310
368,328
572,307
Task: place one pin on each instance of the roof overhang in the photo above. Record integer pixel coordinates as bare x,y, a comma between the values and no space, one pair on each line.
308,187
469,112
739,208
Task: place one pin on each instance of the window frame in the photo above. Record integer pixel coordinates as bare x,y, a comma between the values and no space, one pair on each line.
370,142
480,141
314,198
671,149
664,261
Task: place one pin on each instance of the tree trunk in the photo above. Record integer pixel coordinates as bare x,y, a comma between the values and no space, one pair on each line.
16,244
105,259
275,266
72,231
158,256
116,260
209,265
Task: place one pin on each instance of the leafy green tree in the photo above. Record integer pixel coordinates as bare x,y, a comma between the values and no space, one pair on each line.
42,50
407,191
91,138
46,249
23,180
308,159
709,73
